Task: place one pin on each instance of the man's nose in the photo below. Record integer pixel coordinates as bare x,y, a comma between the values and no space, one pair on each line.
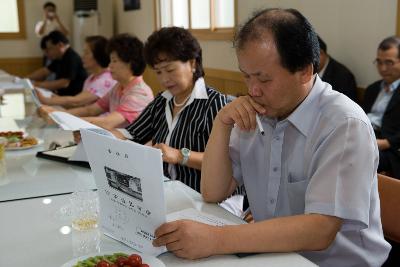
254,89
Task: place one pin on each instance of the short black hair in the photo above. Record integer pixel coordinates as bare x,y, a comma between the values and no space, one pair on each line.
389,42
98,46
177,44
130,50
43,42
56,37
49,4
322,44
294,36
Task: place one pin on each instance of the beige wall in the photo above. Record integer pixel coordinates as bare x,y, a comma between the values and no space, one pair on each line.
33,13
351,28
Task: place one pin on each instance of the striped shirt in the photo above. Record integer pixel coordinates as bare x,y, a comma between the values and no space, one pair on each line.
190,128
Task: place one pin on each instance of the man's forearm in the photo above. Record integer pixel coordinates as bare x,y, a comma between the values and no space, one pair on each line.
285,234
216,171
53,85
39,74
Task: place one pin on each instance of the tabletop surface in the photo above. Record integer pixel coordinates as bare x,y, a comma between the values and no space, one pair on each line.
39,230
34,206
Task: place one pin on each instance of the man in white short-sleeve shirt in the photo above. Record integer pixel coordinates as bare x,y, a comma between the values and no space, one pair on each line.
309,165
51,21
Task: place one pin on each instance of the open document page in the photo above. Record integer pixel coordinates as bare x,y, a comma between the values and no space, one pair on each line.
70,122
28,84
129,177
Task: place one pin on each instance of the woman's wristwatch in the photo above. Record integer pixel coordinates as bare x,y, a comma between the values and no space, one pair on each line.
185,154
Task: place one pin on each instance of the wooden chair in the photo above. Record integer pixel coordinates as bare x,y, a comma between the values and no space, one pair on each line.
389,193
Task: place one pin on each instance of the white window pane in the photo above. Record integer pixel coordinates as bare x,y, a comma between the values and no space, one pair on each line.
9,16
224,13
180,13
200,14
165,13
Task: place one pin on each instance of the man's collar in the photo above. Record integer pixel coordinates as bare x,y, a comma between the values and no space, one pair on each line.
393,86
300,117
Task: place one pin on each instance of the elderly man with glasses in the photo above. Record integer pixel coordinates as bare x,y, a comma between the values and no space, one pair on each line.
382,105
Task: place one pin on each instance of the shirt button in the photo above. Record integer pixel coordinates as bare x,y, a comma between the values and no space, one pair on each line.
272,201
275,169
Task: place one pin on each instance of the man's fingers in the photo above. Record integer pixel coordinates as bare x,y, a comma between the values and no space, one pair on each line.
166,228
174,246
259,109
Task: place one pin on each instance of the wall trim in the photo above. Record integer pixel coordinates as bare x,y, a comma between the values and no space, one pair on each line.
20,66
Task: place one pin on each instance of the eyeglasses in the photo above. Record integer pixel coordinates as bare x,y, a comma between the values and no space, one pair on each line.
388,63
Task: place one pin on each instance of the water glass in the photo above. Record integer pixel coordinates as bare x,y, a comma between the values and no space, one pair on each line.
3,169
84,210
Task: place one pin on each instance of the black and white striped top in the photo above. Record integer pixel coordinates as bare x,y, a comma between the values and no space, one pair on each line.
192,129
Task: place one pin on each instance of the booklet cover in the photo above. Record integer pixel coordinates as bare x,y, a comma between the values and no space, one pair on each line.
129,178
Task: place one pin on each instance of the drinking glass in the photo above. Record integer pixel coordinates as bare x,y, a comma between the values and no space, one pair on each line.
84,210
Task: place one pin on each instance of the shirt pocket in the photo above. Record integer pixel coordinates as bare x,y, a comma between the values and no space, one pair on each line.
296,190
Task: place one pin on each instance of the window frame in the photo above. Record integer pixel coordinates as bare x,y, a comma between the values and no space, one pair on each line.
213,33
21,34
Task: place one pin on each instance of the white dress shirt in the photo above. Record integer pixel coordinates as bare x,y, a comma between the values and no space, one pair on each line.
321,159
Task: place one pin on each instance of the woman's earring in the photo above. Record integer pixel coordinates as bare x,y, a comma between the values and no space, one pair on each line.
193,70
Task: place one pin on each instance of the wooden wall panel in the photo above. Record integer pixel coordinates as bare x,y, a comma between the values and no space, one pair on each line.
228,82
20,66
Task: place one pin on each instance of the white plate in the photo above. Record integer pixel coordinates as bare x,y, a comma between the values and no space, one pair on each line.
40,142
150,260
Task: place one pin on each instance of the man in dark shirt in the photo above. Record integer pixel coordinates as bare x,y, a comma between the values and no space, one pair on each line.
382,105
67,66
335,73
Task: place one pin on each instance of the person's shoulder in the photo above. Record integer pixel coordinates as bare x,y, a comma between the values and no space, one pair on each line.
215,94
335,106
339,67
374,86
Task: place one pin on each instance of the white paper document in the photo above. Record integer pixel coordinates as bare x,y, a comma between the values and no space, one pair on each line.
26,83
198,216
70,122
129,178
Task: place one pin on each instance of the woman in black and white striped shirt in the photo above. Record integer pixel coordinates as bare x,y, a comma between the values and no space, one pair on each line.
180,119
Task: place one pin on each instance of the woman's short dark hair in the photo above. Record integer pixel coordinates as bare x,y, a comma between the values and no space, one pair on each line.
130,50
177,44
294,37
98,46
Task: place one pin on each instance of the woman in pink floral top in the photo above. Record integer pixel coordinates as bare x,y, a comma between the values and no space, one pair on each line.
128,98
95,60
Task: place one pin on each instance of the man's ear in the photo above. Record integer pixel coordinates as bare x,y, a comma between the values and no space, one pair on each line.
306,73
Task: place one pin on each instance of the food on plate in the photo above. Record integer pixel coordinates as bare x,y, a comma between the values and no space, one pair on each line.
12,134
114,260
17,139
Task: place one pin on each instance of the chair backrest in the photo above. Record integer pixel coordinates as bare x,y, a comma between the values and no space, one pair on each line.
389,194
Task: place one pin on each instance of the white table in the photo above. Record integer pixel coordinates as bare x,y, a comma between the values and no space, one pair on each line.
34,232
29,176
31,234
